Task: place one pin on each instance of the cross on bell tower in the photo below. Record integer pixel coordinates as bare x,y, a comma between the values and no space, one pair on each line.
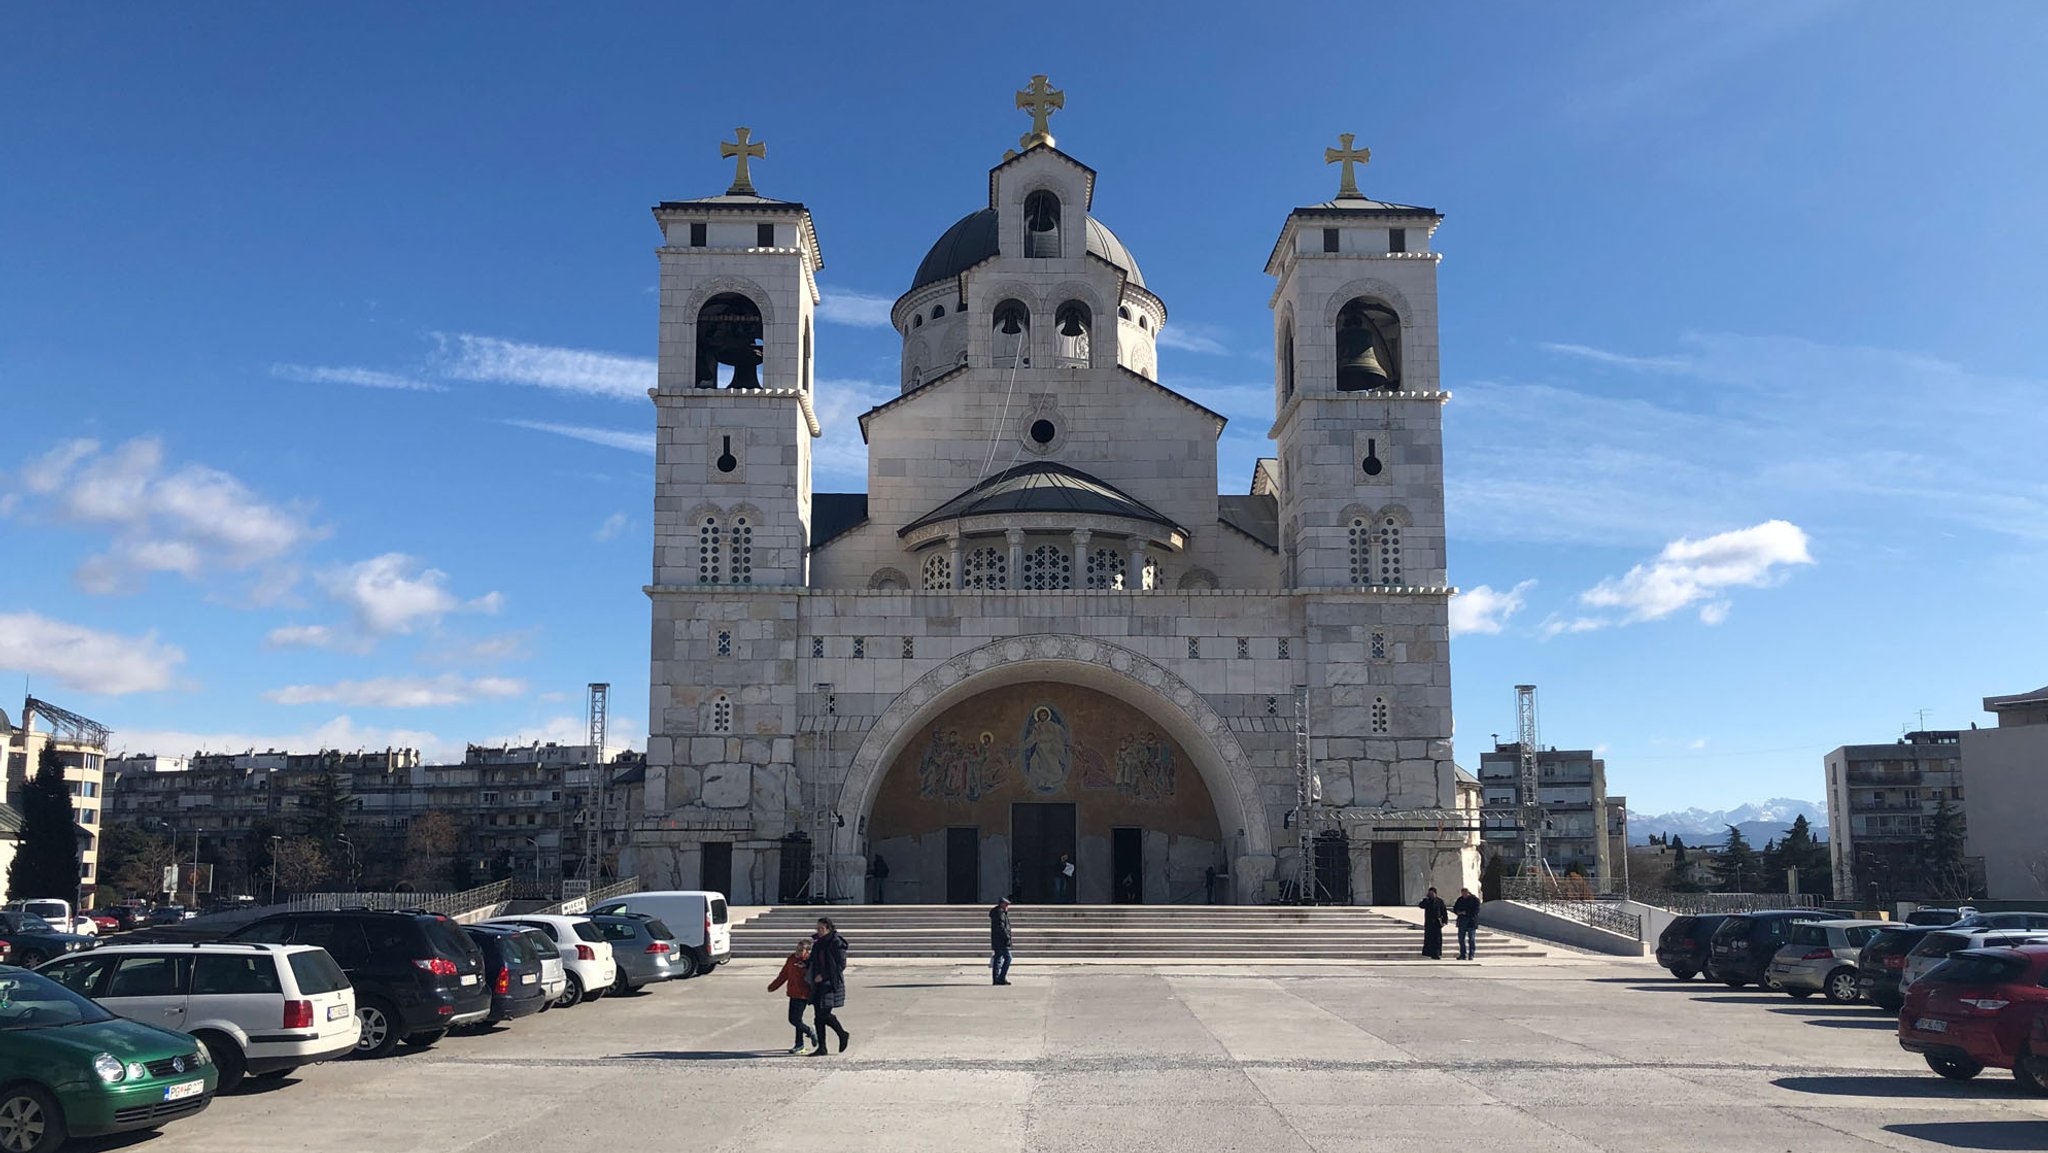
743,148
1347,180
1040,99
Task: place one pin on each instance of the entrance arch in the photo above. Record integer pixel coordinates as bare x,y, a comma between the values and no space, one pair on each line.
1176,708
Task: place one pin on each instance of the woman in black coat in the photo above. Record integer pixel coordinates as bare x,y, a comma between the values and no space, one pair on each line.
827,974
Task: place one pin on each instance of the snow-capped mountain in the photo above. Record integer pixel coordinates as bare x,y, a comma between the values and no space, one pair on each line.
1759,822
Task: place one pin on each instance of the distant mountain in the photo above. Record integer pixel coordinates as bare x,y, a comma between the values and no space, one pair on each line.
1759,823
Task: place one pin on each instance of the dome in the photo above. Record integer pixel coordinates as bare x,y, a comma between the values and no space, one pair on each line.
973,240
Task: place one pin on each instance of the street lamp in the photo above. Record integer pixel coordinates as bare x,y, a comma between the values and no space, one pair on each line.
275,841
350,847
536,861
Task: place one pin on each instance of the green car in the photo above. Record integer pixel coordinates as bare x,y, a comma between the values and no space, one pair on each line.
70,1068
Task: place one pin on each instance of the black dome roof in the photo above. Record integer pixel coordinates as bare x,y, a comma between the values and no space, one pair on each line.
973,239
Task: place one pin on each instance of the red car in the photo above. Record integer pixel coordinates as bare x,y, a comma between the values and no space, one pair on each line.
107,922
1978,1010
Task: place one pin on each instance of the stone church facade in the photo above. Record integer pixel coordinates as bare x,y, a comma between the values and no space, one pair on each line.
1041,634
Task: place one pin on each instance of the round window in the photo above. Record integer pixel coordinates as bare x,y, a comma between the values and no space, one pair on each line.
1042,431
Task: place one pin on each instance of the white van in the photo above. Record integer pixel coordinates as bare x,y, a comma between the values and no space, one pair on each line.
696,916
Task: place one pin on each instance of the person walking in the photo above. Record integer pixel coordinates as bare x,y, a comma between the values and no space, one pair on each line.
1433,918
1466,908
999,942
826,971
1209,885
795,979
1063,880
879,870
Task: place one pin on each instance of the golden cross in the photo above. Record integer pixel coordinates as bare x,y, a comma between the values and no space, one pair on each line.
742,181
1347,184
1040,98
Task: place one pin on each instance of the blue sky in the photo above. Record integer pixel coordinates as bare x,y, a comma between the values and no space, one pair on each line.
324,336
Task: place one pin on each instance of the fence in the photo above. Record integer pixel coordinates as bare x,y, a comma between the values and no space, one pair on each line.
1694,904
1599,914
601,893
445,903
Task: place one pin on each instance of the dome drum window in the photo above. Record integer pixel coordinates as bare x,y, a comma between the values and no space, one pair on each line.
986,568
938,572
1049,567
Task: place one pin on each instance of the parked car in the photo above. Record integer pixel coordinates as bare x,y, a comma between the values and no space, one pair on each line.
1744,943
69,1068
262,1010
1881,962
107,922
1938,917
1976,1011
58,913
511,969
1820,957
644,948
129,915
416,975
1931,949
2018,920
170,915
586,956
554,979
698,916
1682,946
36,940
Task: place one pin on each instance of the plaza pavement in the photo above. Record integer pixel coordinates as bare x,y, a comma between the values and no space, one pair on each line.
1566,1053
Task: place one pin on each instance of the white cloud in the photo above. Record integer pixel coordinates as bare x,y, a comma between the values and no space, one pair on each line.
483,358
401,692
855,309
359,377
640,442
392,593
1485,610
339,733
184,520
86,660
621,733
1193,338
840,457
306,637
1696,572
613,526
1620,360
490,650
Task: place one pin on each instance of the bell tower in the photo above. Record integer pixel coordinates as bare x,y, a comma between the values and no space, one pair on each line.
736,420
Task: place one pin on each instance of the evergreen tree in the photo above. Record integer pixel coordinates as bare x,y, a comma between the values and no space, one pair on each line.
1490,878
1944,873
1800,851
1737,866
46,864
132,860
328,805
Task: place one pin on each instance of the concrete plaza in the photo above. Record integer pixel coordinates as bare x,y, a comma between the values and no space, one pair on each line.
1569,1053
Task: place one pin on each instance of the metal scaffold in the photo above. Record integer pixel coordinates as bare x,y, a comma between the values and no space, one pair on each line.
597,807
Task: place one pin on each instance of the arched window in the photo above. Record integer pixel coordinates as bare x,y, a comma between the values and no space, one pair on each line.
938,310
1368,347
1287,359
1144,321
1389,550
1041,224
916,375
721,714
917,321
1360,534
1151,580
986,568
741,558
938,572
1048,567
709,554
1123,312
1070,334
1381,721
1010,334
1106,569
806,367
729,335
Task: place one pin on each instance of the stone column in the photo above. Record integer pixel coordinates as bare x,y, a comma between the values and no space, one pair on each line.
1016,538
1134,576
953,548
1081,537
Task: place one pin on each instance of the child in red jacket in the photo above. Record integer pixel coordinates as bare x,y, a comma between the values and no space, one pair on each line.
799,988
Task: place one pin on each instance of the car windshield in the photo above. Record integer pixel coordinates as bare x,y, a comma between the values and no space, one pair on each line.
542,946
718,910
28,923
1732,929
1973,969
316,972
448,940
33,1001
1809,935
659,930
1940,944
45,908
588,932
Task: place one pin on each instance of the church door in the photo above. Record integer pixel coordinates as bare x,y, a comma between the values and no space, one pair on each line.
718,867
1127,865
1040,834
1386,873
963,866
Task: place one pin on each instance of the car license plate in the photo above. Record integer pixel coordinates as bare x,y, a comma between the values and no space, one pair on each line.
337,1012
527,979
1931,1025
180,1092
469,978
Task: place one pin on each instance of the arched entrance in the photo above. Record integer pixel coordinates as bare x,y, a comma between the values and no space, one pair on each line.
929,740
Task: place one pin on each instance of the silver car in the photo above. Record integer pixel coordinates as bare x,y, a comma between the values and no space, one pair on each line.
1820,957
643,947
553,981
1935,947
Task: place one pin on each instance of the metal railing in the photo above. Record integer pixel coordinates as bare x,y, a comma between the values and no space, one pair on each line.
1606,915
599,894
445,903
1694,904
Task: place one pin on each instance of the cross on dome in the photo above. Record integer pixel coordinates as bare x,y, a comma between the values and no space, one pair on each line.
742,148
1347,182
1040,99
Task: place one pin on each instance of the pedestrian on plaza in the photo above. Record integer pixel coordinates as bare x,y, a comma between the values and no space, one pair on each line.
826,971
794,979
1466,908
999,942
1433,918
879,870
1063,880
1209,885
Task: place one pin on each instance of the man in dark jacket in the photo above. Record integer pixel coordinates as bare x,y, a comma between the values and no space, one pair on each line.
1433,918
826,971
1466,909
999,941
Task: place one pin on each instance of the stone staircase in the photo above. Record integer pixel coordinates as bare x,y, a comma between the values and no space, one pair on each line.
1141,933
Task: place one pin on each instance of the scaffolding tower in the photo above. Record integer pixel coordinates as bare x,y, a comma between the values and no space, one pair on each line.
1526,777
597,806
1308,807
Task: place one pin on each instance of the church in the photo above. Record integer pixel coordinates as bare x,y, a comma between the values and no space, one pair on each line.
1040,656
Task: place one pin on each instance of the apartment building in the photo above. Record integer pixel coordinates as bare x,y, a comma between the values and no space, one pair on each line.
1571,787
1880,798
80,745
2008,771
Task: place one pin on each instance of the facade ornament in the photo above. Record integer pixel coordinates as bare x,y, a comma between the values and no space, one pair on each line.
740,150
1347,180
1040,99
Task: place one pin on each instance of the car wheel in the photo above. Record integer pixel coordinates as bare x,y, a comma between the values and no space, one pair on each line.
379,1024
571,992
31,959
620,985
546,1005
1734,982
1798,994
1682,974
1841,987
1953,1068
425,1040
227,1059
685,964
273,1074
30,1121
2026,1069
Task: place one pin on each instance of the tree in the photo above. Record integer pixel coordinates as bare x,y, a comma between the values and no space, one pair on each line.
1737,865
46,864
432,841
1491,877
132,863
1944,872
1800,851
299,863
328,805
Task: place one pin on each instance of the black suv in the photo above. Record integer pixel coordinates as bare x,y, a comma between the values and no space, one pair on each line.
416,975
1743,945
1682,946
36,940
1881,962
511,969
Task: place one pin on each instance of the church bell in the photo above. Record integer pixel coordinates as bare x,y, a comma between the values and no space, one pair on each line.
1359,368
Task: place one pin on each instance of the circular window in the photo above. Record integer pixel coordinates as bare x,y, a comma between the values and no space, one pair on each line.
1042,431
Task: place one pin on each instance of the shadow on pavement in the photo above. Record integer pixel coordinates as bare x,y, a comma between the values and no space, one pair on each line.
1741,999
258,1086
701,1055
1900,1086
1853,1023
1978,1134
928,985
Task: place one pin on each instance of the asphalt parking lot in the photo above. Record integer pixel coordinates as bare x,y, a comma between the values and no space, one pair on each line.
1571,1054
